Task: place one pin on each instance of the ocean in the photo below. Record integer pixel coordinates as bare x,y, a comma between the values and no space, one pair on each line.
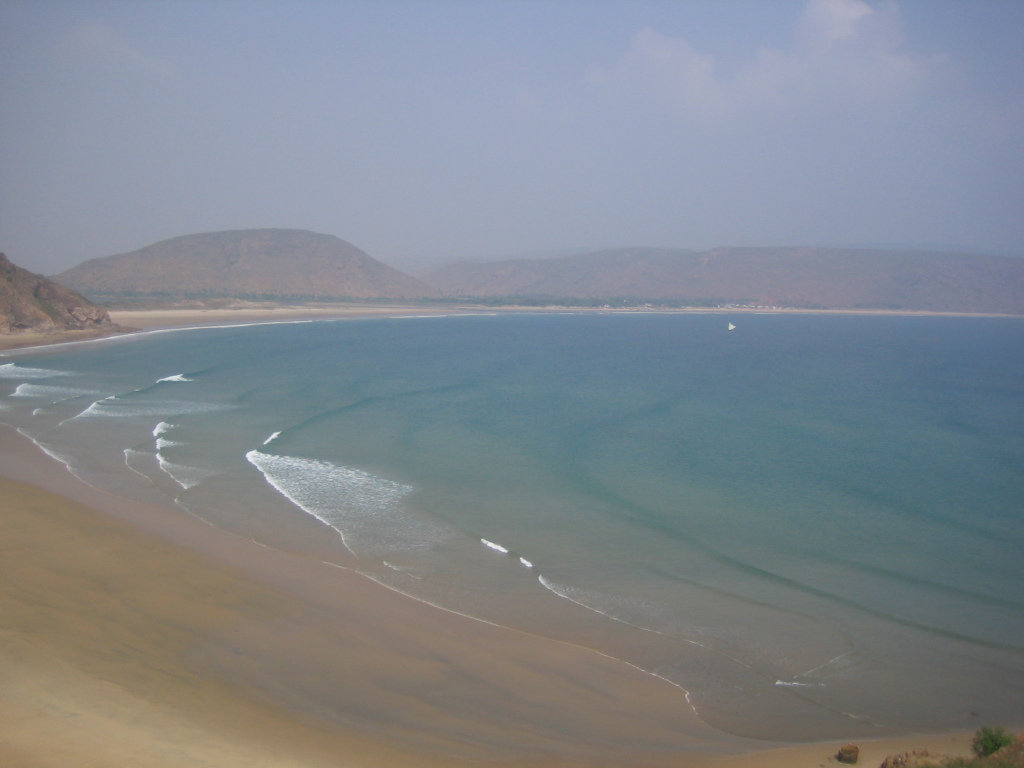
814,524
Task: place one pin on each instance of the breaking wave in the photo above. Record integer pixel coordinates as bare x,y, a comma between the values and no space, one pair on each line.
15,371
115,406
48,392
366,510
185,476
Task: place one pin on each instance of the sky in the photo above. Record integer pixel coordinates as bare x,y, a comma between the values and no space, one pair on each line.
424,131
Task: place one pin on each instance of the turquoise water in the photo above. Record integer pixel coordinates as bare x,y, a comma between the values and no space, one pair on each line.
813,524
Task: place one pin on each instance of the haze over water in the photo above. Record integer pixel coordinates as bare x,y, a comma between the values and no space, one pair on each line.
813,524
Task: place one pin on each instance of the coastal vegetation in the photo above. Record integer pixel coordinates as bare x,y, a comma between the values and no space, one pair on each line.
990,739
993,747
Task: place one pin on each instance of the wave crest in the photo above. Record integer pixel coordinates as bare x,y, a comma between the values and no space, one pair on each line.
366,510
15,371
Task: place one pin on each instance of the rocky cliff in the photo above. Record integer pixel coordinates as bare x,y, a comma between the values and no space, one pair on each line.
32,303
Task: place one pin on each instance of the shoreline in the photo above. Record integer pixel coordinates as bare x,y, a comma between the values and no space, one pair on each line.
166,318
141,320
411,647
135,663
391,675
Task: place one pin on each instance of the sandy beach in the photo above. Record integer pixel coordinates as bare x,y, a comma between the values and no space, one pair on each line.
135,635
169,318
167,642
149,319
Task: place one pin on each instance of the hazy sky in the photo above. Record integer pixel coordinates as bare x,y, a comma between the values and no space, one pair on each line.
427,130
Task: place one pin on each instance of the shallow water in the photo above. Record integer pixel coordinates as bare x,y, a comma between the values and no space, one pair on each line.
814,524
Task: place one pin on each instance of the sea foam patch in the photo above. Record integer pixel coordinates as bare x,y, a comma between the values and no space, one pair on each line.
48,392
366,510
15,371
185,476
117,406
641,614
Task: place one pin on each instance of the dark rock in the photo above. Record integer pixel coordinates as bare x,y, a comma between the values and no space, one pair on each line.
848,753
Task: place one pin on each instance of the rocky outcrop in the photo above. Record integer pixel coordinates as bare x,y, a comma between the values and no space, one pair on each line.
911,759
848,753
32,303
1011,755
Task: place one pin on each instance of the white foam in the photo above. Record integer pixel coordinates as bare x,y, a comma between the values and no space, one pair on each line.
65,460
134,453
162,442
94,408
495,547
578,596
114,406
366,510
185,476
162,428
607,605
175,377
272,438
526,562
48,392
15,371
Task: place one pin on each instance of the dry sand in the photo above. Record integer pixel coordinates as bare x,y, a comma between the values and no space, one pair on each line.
168,318
33,339
136,636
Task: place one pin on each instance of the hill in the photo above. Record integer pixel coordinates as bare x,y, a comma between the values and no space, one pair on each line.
286,264
30,303
783,277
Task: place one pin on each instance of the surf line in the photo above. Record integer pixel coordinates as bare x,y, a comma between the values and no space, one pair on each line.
504,550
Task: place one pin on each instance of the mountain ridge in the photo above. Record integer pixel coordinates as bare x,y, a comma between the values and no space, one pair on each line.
251,263
798,277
